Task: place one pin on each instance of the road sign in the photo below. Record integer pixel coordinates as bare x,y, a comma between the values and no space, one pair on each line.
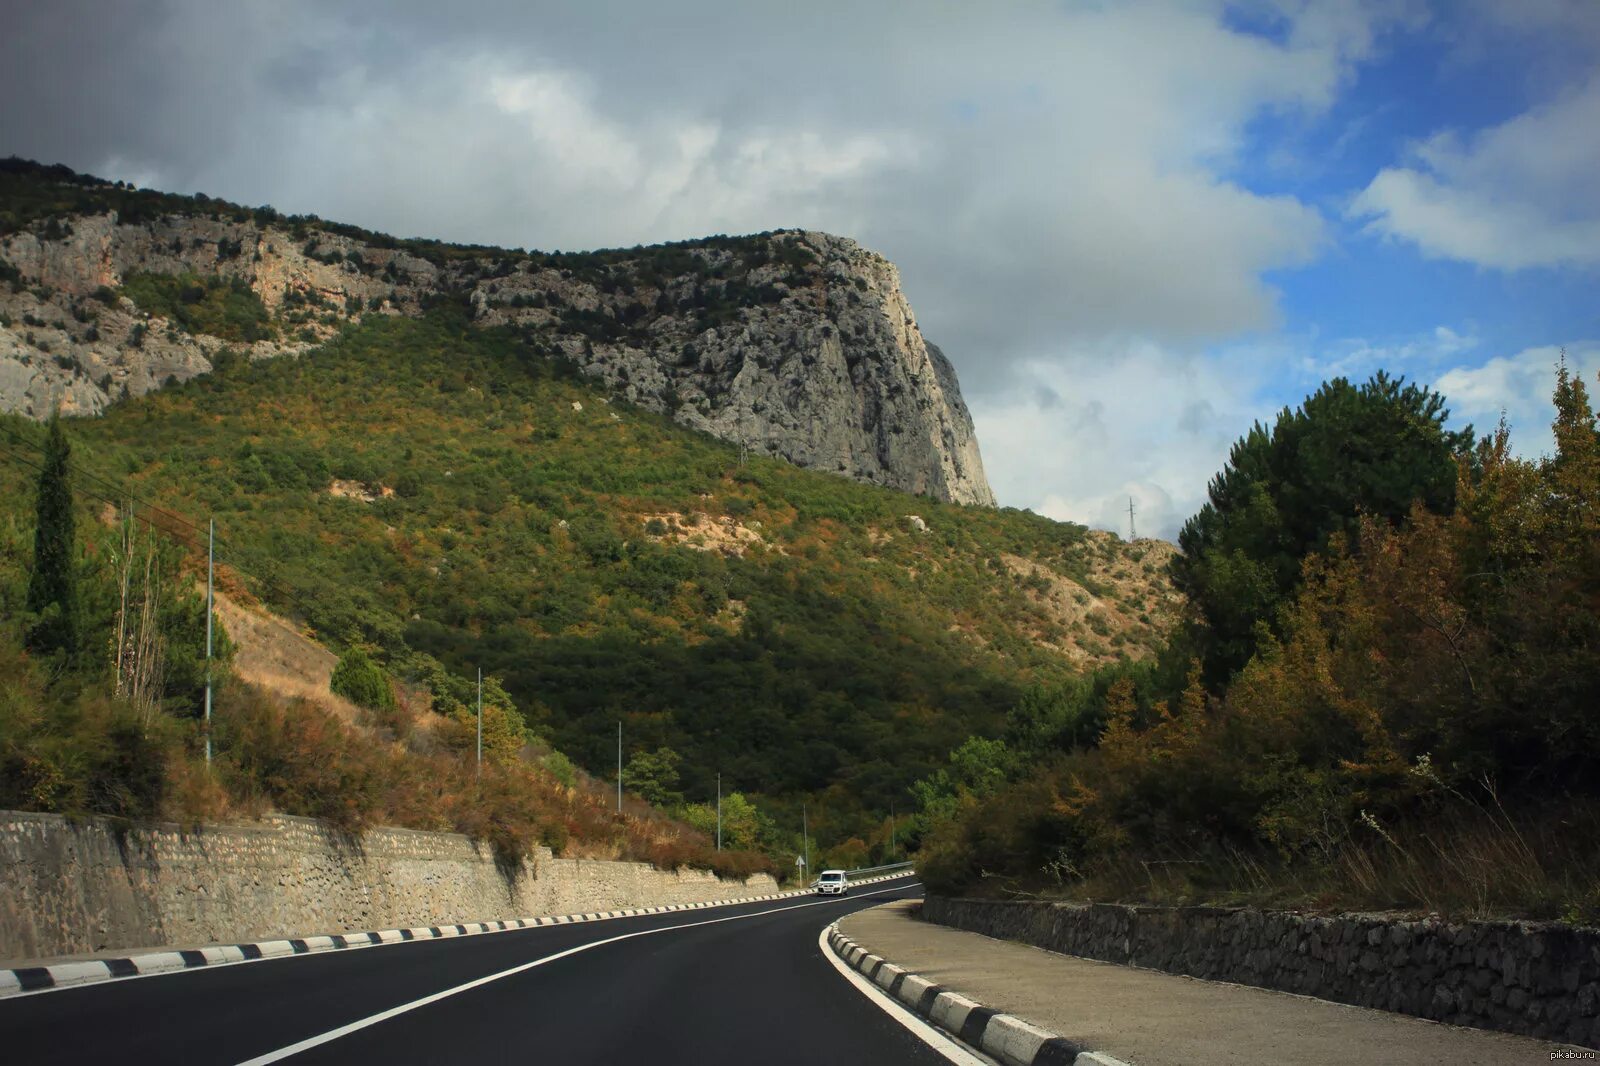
800,861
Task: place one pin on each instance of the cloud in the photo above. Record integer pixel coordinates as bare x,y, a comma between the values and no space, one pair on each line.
1064,185
1520,194
1043,174
562,126
1360,358
1520,385
1148,422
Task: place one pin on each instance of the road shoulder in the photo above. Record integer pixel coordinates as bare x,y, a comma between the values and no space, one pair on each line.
1156,1019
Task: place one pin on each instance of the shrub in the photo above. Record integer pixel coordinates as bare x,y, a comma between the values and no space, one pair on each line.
361,681
298,758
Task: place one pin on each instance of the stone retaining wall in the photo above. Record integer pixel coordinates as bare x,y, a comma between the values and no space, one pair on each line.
1538,979
69,888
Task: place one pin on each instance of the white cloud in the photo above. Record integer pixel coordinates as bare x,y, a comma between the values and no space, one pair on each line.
1075,438
1041,172
1152,423
562,126
1059,182
1359,358
1520,385
1521,194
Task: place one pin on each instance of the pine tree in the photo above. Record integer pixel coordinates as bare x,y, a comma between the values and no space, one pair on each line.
1574,471
53,586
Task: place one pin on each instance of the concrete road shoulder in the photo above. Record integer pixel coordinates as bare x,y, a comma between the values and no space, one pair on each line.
1016,1000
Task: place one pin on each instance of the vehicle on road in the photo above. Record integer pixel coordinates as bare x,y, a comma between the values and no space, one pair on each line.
832,883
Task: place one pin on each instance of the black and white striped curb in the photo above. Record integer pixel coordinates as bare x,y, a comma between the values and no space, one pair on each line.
67,974
1003,1037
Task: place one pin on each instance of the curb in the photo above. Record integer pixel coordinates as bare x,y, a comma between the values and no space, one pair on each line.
1003,1037
69,974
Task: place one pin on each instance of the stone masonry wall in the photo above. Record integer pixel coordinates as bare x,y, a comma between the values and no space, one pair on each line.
1538,979
69,888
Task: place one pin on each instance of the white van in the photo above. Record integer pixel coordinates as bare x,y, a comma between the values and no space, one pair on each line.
832,883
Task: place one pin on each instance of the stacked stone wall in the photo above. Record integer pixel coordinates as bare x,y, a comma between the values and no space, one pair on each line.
1537,979
76,887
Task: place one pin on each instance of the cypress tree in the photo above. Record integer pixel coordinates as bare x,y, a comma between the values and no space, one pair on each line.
53,585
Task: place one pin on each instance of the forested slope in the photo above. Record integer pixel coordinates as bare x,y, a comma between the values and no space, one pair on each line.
448,498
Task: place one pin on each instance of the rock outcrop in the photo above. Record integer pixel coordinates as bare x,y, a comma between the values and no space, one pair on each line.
795,344
825,366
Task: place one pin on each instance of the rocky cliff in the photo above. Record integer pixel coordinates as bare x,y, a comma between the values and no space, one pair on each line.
796,344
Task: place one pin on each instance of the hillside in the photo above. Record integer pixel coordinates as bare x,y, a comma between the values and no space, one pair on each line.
794,344
454,487
788,628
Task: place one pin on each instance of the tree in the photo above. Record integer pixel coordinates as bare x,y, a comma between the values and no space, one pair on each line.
1347,451
53,585
744,826
504,733
360,680
653,777
1574,471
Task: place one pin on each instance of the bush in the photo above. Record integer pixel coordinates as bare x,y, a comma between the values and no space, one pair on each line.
361,681
298,758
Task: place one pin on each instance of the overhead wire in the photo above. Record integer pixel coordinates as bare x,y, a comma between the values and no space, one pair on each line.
192,537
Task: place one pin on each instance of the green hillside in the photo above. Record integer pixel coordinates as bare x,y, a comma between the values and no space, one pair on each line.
442,494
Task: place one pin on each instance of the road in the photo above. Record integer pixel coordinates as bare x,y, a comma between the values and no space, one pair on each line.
731,985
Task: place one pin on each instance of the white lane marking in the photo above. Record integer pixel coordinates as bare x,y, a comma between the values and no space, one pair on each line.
382,1016
920,1029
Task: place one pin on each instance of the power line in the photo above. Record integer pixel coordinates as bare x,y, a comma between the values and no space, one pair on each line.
188,537
105,482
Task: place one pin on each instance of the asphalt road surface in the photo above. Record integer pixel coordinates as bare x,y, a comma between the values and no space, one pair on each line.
744,984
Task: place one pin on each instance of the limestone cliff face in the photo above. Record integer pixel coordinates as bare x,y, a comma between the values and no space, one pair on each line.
796,344
822,363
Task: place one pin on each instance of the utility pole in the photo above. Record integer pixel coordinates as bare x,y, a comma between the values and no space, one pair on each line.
619,767
892,848
480,721
719,812
1133,532
805,837
211,552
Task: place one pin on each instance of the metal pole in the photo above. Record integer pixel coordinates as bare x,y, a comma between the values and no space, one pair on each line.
719,812
891,833
480,721
619,767
805,837
211,551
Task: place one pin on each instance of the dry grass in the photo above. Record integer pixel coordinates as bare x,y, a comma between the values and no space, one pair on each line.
1464,861
293,756
271,654
1130,581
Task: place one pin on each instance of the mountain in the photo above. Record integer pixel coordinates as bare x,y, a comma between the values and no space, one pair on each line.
795,344
453,476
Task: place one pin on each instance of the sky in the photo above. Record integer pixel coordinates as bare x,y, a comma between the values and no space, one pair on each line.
1134,228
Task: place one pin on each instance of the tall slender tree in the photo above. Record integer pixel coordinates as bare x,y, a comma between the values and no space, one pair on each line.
53,585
